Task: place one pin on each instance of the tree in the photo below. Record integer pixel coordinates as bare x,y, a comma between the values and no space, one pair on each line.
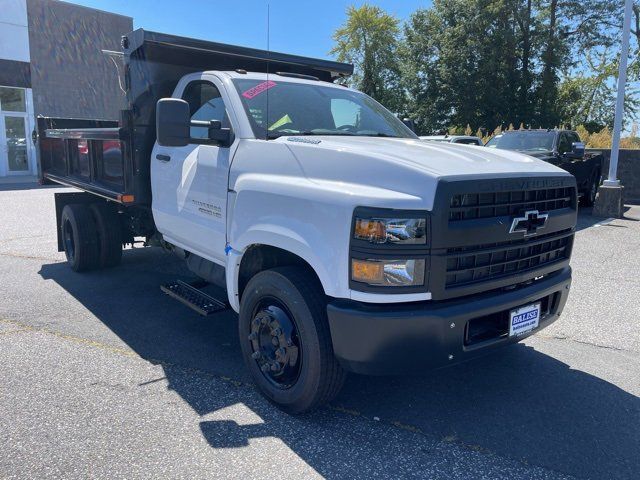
369,39
460,64
489,63
588,98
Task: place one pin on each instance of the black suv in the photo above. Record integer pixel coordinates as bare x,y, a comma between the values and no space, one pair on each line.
559,147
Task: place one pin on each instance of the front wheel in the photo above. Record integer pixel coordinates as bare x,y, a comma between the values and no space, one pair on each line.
286,342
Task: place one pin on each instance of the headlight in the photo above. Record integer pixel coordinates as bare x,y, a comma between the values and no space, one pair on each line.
400,231
388,273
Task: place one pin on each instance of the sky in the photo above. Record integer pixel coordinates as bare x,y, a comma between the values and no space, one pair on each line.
301,27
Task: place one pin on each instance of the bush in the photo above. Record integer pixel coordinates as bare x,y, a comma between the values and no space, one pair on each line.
600,138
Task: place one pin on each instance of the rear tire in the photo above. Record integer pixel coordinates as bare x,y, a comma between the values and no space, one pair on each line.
589,197
79,237
286,307
109,234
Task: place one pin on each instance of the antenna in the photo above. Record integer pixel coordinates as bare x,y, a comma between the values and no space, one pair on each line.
266,128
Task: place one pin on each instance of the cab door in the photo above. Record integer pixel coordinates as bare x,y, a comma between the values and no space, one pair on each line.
189,183
575,166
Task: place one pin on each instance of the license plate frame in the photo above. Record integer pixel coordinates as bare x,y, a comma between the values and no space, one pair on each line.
524,319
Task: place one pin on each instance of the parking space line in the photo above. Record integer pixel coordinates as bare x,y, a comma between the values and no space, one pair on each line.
16,331
29,257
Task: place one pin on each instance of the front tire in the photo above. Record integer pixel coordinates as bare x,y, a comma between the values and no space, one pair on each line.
286,342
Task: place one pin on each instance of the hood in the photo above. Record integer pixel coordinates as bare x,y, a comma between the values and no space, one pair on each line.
429,158
410,167
371,171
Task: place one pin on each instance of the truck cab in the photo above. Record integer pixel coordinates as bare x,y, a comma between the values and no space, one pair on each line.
344,242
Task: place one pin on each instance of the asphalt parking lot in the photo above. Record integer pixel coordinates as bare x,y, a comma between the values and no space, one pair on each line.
103,376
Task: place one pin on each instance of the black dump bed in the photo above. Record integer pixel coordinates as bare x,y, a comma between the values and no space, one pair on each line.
112,159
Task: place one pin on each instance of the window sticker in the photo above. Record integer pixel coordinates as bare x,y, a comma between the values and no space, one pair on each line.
258,89
283,121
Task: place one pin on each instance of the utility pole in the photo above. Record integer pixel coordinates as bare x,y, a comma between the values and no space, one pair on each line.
609,201
613,181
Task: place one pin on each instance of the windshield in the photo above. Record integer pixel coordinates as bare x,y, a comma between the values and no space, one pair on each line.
307,109
540,141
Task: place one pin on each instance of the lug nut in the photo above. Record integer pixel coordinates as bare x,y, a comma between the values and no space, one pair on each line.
256,355
265,368
275,367
274,341
453,325
276,332
281,352
253,336
450,357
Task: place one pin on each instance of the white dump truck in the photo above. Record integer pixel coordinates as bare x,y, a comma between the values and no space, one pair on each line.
344,242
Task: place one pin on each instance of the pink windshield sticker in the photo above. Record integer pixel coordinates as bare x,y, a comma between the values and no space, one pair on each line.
258,89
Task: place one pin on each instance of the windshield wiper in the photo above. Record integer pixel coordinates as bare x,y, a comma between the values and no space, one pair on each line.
378,134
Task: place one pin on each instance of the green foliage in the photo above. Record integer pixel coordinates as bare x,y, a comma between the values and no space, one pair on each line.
369,39
462,65
588,98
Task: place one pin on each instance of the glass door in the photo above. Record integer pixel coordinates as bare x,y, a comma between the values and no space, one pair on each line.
14,149
14,141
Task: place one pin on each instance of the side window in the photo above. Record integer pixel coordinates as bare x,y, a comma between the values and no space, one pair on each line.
564,145
205,103
573,137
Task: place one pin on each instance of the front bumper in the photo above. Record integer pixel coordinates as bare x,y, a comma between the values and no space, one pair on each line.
404,338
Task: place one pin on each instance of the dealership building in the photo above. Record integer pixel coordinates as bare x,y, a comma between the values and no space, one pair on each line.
53,62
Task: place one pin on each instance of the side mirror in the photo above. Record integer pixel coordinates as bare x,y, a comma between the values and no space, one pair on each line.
577,148
172,122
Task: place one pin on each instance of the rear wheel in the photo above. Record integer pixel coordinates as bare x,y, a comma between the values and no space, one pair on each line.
286,342
79,237
109,234
590,196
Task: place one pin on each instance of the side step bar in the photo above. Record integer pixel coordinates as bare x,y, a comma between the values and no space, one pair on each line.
193,298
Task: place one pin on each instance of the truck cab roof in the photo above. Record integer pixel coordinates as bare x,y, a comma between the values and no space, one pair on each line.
275,77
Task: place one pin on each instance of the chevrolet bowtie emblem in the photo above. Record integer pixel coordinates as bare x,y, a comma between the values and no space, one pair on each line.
530,223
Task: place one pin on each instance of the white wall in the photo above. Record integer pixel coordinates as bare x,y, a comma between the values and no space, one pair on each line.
14,33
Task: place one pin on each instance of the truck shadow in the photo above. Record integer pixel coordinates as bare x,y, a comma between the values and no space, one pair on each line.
520,403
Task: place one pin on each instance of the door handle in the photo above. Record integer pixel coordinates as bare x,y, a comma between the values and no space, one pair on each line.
163,158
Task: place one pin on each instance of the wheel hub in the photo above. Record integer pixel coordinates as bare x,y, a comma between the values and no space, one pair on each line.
67,234
275,345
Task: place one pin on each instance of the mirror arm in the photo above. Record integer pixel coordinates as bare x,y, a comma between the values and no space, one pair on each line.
212,141
200,123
